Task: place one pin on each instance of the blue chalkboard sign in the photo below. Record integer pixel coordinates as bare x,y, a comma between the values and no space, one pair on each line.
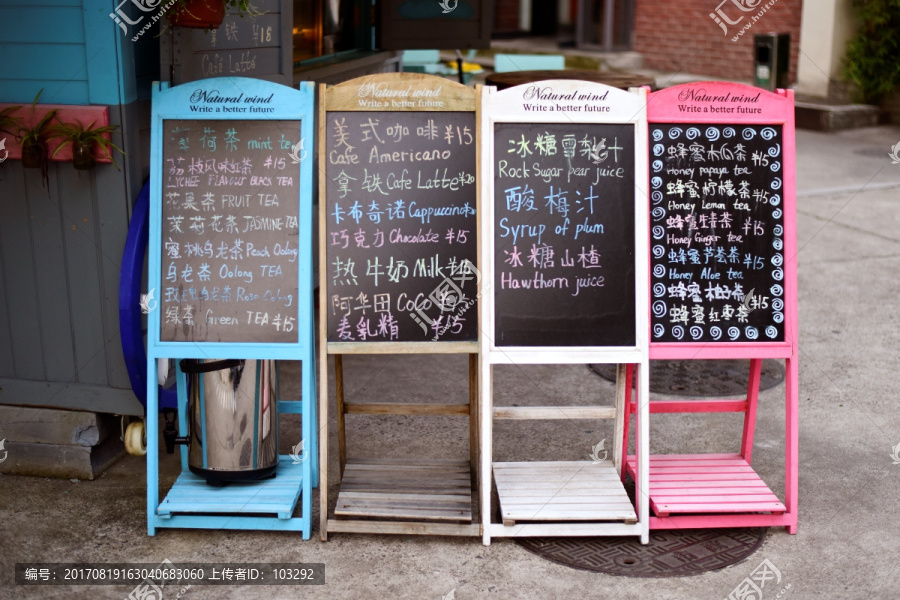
230,275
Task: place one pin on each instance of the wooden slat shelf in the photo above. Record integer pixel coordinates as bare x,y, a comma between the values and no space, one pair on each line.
707,483
561,491
278,495
429,490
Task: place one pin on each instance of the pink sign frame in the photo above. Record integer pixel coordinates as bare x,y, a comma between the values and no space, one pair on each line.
717,103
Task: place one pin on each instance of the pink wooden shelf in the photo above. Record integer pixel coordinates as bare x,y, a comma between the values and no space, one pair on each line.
66,113
706,483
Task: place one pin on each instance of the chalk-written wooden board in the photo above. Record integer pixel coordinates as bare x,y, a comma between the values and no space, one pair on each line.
400,219
564,261
717,232
247,46
229,251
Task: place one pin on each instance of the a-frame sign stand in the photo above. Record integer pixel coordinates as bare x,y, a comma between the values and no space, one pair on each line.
564,246
723,286
230,228
398,237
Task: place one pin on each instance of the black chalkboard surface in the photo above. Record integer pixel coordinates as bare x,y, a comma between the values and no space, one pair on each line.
564,234
229,231
717,233
401,239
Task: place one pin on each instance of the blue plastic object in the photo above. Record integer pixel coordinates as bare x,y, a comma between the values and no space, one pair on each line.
130,323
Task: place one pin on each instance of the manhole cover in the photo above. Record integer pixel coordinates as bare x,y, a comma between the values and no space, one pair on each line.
702,377
670,553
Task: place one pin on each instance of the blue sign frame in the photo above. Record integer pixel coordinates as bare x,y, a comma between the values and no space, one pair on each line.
280,103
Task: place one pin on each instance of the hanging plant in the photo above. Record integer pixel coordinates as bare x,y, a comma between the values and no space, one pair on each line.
33,135
9,123
207,14
85,142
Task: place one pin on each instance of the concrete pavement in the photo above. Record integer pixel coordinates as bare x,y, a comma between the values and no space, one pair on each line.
849,532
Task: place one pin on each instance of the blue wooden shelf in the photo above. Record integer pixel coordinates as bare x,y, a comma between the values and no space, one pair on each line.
277,495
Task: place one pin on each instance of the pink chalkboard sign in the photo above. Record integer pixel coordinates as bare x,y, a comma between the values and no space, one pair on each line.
723,285
723,224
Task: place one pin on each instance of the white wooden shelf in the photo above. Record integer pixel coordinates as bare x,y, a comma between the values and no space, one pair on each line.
561,491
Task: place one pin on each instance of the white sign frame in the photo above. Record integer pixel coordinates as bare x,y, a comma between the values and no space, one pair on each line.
610,106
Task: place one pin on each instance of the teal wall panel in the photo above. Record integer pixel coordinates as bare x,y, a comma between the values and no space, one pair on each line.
23,92
44,217
61,246
70,48
44,62
19,24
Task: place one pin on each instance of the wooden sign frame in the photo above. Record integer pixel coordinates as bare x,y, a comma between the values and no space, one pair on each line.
721,103
403,91
558,99
199,101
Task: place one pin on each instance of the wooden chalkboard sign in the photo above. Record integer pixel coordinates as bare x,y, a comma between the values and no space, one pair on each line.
230,276
723,283
718,233
398,235
722,216
564,241
562,252
227,227
399,220
230,231
243,46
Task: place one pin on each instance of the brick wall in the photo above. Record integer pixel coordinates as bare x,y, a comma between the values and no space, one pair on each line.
680,36
506,16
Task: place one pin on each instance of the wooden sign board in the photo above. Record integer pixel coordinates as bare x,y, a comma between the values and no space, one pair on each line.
243,46
563,208
722,206
230,216
564,241
398,219
399,245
